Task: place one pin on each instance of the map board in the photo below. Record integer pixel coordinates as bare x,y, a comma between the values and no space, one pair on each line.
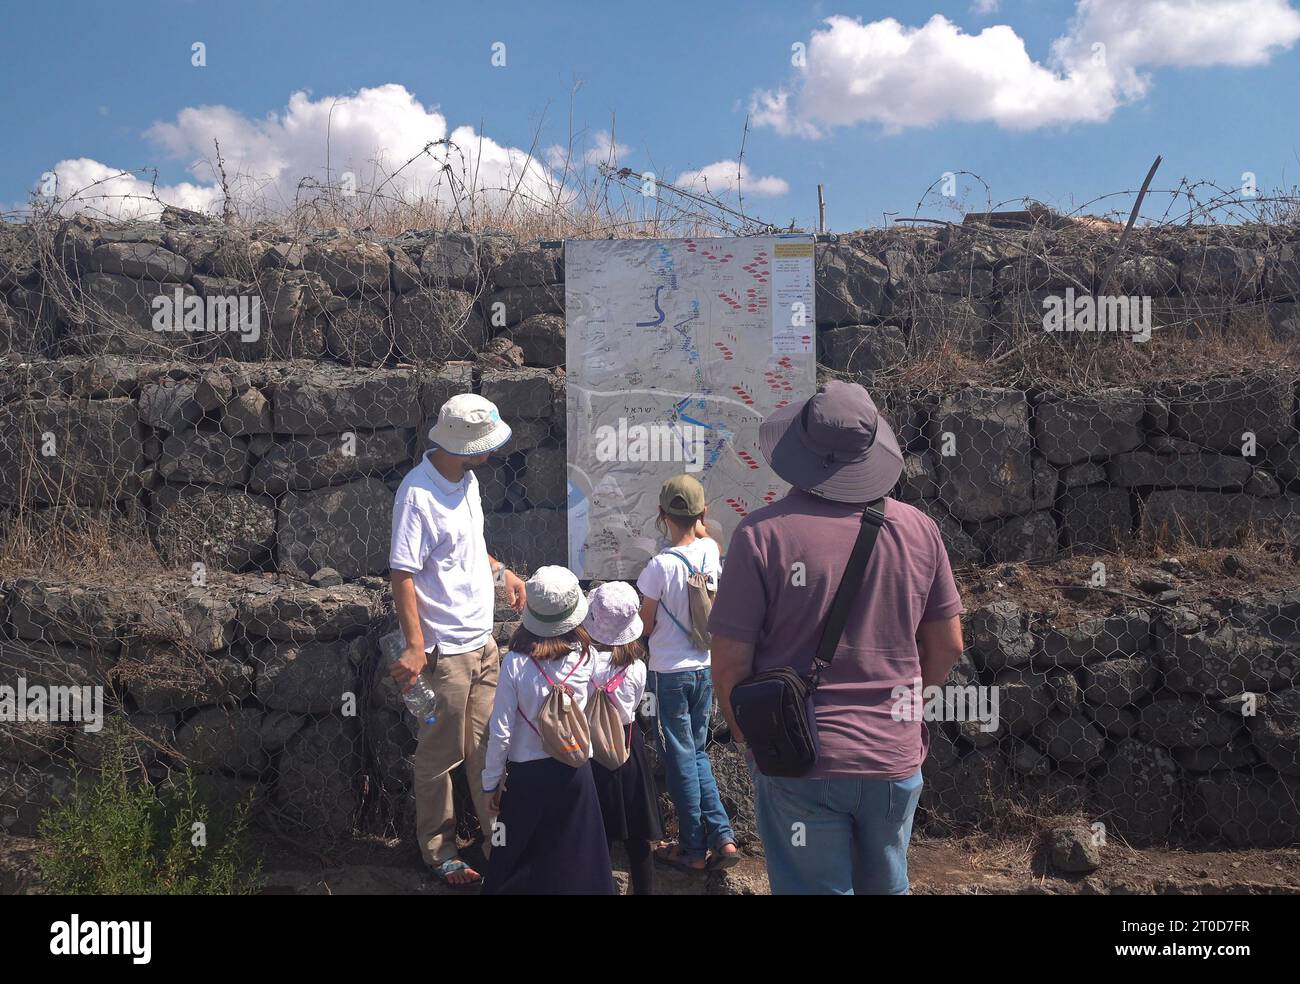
676,351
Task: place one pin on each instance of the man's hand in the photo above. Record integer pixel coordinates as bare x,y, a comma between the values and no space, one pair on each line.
514,589
408,666
494,802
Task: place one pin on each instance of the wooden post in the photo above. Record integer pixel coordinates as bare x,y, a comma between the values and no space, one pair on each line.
821,209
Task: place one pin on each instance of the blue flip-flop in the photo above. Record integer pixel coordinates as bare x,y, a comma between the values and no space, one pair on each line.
451,865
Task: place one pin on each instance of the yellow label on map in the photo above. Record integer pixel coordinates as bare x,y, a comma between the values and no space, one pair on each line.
793,250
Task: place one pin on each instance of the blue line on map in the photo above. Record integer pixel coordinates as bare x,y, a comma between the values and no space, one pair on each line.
692,420
658,321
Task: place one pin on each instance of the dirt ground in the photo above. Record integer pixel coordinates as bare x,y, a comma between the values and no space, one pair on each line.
945,866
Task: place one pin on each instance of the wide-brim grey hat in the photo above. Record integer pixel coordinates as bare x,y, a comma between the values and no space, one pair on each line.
835,445
555,602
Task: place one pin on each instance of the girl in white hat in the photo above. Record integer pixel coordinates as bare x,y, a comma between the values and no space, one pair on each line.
629,801
549,838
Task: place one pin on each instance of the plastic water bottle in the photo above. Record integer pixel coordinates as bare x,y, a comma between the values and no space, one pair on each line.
419,697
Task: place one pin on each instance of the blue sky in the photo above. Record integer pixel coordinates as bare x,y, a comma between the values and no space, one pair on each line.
1209,86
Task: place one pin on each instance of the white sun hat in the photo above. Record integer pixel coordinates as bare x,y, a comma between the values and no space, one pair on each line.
613,614
469,425
556,604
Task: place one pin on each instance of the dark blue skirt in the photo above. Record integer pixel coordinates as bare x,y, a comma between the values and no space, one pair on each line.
629,801
554,837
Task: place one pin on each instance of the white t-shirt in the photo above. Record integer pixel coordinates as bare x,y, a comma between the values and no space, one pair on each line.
438,538
631,688
664,580
521,690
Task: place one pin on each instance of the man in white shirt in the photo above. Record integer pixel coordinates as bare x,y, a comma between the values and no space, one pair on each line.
443,589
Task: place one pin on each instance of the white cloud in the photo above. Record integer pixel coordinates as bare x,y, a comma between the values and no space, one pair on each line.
898,76
985,6
373,134
720,179
605,149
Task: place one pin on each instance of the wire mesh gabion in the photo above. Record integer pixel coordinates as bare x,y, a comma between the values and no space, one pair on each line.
203,428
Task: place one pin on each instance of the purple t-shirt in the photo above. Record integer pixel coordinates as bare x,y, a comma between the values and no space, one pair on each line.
765,598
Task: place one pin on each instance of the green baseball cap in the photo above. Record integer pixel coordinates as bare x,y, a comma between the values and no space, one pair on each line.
682,495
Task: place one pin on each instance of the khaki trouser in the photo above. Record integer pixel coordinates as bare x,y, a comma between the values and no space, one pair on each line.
466,685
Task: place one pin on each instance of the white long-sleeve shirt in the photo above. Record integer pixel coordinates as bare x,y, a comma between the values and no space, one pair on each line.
521,687
630,690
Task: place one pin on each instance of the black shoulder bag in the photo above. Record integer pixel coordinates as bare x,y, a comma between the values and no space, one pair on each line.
774,709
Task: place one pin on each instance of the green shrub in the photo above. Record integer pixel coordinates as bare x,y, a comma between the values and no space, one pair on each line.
117,836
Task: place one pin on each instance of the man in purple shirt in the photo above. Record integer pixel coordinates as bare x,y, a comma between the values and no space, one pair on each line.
845,826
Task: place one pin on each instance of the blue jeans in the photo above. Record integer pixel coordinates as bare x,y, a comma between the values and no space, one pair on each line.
683,703
836,836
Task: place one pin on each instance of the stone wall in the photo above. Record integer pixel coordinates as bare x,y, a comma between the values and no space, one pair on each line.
268,458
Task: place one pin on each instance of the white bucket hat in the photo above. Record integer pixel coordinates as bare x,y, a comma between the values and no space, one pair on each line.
469,425
556,604
613,614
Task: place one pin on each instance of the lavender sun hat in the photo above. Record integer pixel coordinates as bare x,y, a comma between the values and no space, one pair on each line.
613,614
835,445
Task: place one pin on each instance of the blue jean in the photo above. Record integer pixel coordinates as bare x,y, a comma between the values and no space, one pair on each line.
836,836
683,703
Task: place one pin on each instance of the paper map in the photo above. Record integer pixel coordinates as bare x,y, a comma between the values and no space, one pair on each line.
676,350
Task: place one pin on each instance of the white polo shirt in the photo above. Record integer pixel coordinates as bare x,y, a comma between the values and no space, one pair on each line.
438,538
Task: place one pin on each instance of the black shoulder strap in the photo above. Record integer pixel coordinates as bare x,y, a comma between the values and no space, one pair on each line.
873,517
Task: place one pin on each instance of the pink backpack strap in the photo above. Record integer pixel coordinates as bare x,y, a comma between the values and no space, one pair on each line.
612,683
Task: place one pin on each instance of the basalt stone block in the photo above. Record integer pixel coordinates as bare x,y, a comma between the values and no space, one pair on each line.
942,318
851,286
310,678
1045,273
144,261
1205,471
304,462
297,613
92,615
967,792
349,266
1096,516
223,528
1219,518
542,338
166,678
864,350
1118,682
346,527
1227,271
1225,661
545,478
204,456
918,480
1071,738
55,664
519,392
1218,413
436,324
1031,537
27,791
528,267
62,451
171,404
319,785
1023,698
990,474
118,317
1275,730
1186,723
405,274
1245,810
1077,428
1115,636
512,305
224,739
29,741
528,540
360,333
1149,276
1138,792
316,400
247,413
